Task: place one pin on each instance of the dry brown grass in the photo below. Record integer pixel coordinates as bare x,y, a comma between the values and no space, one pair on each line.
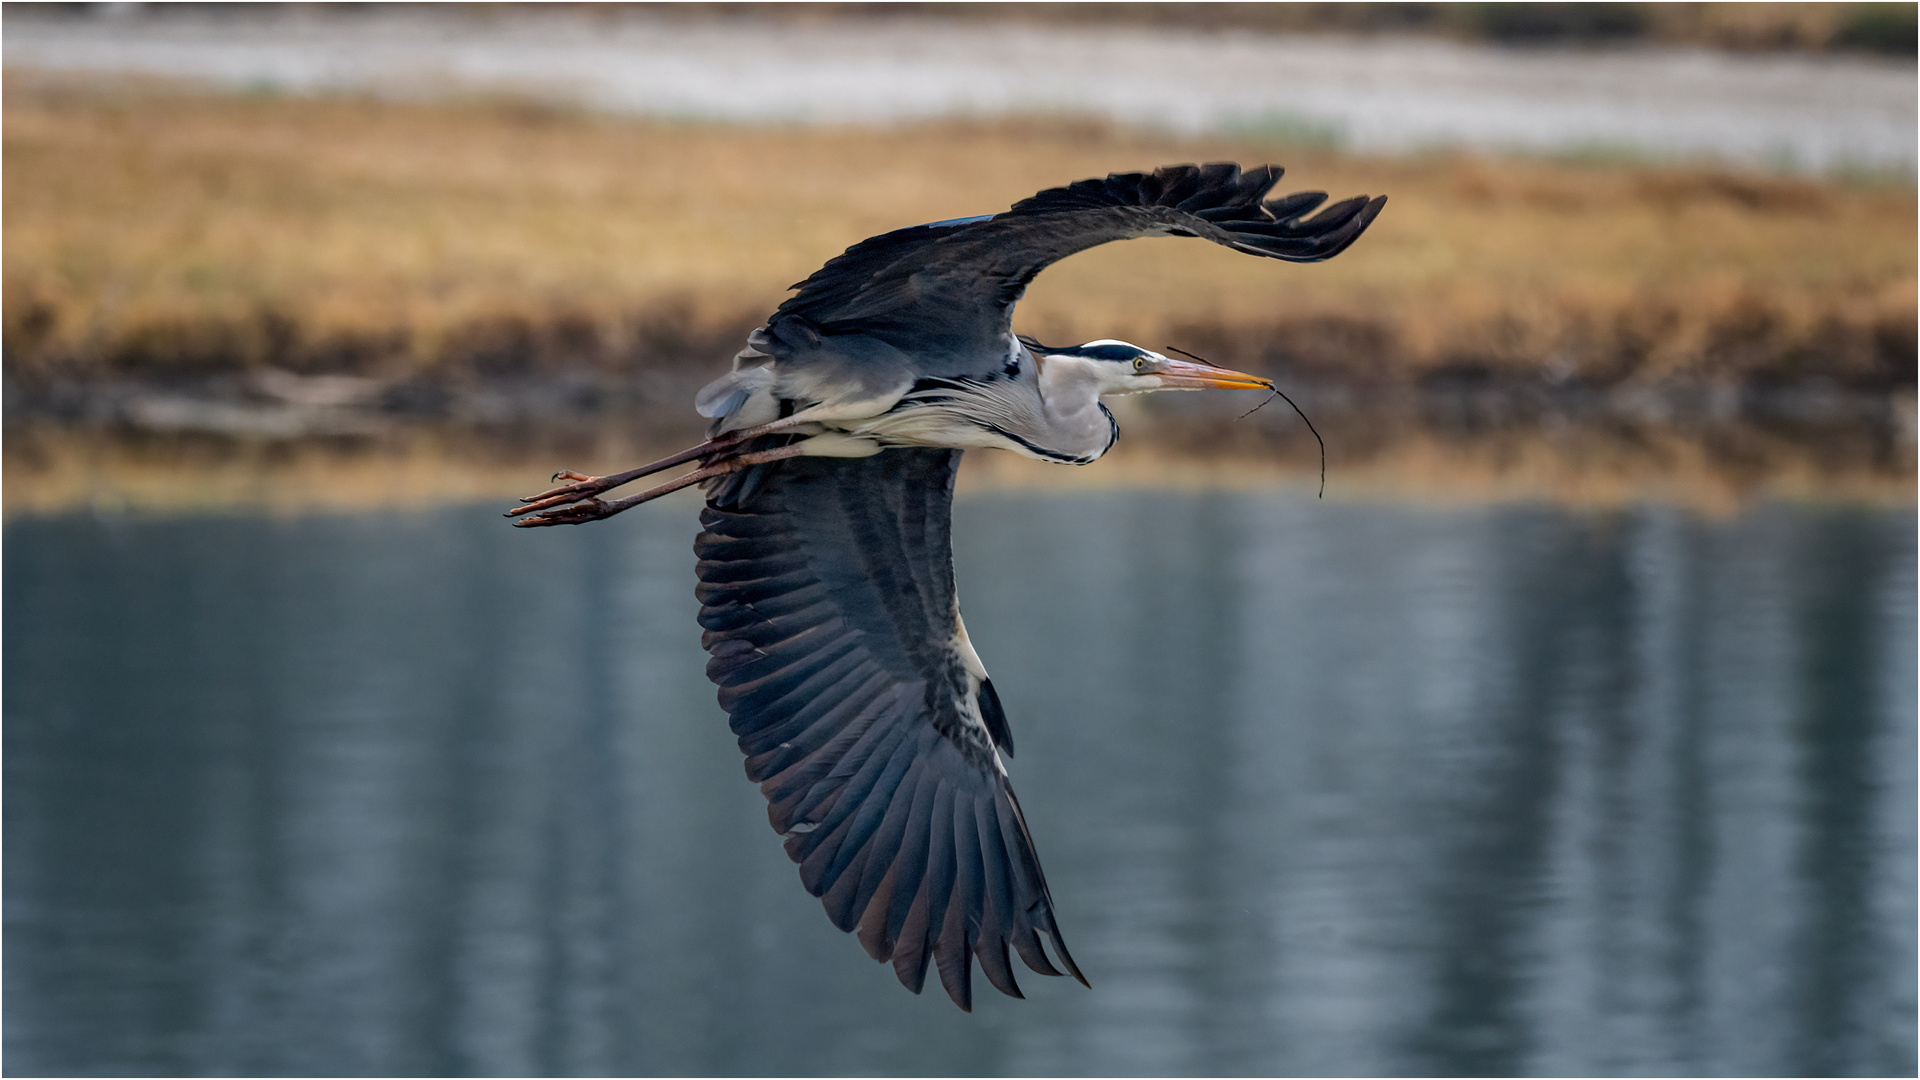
151,229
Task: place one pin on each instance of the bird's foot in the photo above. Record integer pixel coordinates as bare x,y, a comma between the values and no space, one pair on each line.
578,502
583,487
579,487
578,513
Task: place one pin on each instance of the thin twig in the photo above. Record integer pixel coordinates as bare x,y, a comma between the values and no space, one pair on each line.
1271,394
1281,394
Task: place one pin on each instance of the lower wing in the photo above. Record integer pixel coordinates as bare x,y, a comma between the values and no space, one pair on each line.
826,591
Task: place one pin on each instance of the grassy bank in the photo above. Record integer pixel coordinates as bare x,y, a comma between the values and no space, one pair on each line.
1711,467
152,231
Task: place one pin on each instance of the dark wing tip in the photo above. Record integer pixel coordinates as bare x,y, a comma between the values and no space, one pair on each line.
1296,238
1066,959
1225,202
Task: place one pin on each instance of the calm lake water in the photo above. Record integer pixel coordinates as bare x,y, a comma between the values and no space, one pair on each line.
1322,788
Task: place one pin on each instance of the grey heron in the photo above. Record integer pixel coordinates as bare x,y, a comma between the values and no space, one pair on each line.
825,565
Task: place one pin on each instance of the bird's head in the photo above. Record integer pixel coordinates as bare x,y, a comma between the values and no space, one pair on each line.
1117,367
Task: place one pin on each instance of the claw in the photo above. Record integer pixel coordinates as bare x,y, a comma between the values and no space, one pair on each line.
576,514
584,487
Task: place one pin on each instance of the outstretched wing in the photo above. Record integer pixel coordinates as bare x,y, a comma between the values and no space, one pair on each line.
826,592
949,287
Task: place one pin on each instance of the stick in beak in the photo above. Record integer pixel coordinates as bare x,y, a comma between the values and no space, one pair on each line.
1276,392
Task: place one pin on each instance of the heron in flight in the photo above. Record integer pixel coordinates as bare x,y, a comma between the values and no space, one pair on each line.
826,569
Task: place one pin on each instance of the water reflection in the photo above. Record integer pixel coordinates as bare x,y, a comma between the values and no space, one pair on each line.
1321,788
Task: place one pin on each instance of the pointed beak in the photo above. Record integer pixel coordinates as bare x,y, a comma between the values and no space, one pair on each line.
1185,375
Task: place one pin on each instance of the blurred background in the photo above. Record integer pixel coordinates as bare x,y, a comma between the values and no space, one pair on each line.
1571,733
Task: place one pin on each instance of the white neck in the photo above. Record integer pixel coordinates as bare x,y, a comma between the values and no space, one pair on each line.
1070,389
1071,385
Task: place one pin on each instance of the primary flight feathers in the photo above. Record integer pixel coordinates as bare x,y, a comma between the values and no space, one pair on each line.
827,597
967,274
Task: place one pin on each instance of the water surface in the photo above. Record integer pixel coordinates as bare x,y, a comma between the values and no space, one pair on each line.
1321,788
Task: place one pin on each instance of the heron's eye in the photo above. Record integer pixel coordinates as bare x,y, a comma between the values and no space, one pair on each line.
1139,363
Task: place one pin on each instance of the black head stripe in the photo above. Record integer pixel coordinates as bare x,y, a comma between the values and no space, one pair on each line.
1120,353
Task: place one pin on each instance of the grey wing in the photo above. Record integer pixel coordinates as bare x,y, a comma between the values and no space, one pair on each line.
947,290
826,591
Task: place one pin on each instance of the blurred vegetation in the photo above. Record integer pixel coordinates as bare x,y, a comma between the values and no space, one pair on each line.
1888,29
152,231
1885,28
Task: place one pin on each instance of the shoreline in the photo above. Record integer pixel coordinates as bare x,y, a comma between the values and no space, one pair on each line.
1475,447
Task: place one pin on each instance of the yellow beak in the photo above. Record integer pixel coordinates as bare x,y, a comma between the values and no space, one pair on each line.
1185,375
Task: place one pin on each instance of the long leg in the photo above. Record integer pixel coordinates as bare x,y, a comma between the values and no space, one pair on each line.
582,486
593,509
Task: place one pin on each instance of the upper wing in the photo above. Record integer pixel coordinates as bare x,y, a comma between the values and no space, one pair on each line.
826,590
950,287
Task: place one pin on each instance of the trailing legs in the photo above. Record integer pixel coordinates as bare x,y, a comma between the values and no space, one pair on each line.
582,486
576,502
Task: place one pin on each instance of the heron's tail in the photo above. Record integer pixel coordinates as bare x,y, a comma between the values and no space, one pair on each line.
742,398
